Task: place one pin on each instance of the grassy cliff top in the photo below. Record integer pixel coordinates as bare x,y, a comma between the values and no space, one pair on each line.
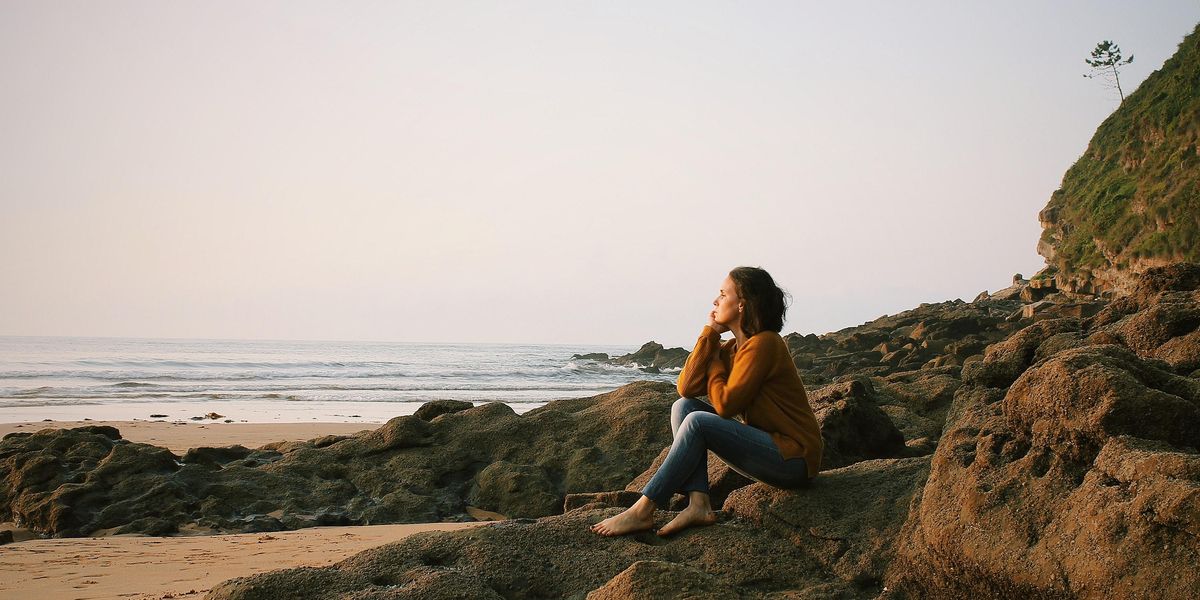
1132,197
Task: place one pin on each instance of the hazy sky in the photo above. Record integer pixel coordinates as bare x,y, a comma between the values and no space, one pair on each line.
532,171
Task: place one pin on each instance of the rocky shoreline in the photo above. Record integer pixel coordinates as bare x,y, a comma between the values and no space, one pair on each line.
972,448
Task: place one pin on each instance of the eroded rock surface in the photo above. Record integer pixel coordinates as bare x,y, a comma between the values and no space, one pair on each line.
1069,465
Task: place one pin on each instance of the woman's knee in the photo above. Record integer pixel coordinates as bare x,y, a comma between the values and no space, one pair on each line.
682,404
682,407
697,421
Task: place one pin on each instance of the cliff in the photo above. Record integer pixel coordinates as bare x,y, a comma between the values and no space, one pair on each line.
1131,201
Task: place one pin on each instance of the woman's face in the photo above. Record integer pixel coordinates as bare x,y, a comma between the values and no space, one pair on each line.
728,311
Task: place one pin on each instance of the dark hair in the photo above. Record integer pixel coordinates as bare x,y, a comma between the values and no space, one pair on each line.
765,302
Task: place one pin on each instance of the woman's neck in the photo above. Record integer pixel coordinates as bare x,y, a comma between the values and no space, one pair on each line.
738,335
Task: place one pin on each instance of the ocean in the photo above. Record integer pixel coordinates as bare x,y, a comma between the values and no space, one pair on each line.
63,378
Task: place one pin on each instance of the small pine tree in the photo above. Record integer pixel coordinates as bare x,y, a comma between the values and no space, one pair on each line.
1105,60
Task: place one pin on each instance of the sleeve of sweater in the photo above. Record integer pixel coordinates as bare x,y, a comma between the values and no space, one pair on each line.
732,392
693,378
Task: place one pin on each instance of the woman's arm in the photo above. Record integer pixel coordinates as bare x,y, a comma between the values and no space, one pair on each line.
732,392
693,379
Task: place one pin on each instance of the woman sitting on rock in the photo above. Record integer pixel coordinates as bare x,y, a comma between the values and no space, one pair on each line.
776,441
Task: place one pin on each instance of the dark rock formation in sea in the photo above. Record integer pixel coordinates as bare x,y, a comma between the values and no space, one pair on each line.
652,358
1132,201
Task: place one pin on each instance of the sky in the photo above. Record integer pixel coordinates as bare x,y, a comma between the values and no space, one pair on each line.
535,172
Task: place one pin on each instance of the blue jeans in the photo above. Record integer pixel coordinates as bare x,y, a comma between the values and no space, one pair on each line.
746,449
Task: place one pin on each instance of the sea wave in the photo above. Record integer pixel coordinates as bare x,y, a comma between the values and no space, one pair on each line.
51,371
274,391
142,378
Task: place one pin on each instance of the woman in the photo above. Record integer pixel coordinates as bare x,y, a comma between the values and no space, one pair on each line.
752,376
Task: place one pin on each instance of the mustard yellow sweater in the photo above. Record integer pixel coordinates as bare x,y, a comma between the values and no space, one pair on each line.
759,382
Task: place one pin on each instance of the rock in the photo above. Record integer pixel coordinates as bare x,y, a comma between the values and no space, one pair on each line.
6,537
1036,307
1032,294
916,402
515,490
1010,293
935,334
848,520
596,356
1003,362
1080,397
652,354
215,456
653,579
1160,320
853,426
437,408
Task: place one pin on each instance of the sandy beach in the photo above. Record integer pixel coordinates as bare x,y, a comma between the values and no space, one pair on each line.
179,436
177,567
181,567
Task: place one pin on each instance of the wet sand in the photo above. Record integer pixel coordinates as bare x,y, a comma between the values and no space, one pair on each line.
177,567
179,436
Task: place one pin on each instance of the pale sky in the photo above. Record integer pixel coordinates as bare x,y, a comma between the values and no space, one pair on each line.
555,172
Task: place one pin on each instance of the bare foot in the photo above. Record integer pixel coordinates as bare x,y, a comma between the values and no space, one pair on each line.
630,521
691,516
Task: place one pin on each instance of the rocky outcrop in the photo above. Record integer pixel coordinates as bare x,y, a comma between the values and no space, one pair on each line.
652,357
932,336
1069,466
425,467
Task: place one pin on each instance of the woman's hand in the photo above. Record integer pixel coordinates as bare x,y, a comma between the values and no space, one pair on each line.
712,322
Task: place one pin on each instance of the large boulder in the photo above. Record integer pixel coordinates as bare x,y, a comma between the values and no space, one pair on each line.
853,426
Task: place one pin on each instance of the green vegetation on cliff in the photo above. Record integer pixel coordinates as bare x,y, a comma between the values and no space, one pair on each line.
1132,198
